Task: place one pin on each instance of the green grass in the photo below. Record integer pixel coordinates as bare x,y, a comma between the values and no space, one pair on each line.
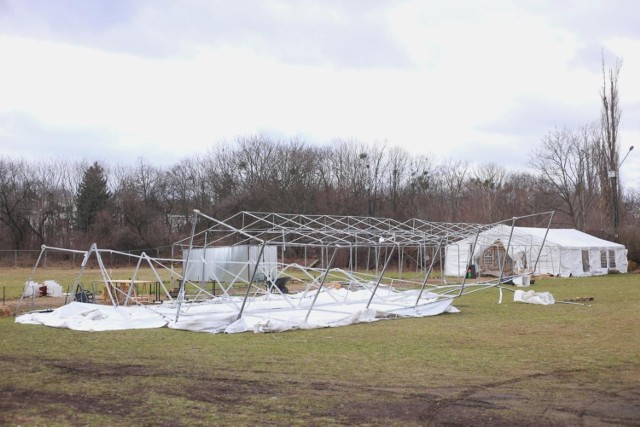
506,363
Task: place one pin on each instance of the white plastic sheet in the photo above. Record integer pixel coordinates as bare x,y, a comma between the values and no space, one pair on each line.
31,289
270,313
53,288
532,297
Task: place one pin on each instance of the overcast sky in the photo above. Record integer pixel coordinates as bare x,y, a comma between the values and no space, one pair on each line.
116,80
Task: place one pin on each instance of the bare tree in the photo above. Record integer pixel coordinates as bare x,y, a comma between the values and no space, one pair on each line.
610,157
176,194
405,184
520,196
15,199
630,229
223,172
345,178
415,178
568,162
451,189
375,162
50,218
485,190
295,178
138,206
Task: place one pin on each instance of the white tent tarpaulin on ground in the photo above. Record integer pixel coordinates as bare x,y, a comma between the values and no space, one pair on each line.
559,252
269,313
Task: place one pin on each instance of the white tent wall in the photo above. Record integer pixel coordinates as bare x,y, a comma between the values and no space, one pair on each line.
566,252
227,264
522,248
552,261
456,256
622,262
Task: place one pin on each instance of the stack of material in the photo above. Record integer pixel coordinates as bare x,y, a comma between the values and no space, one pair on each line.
53,288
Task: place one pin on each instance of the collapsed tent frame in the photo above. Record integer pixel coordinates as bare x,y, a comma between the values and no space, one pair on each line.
326,236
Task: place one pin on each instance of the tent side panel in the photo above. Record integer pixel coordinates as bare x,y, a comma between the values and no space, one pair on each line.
622,263
595,259
455,259
549,262
227,264
268,264
568,263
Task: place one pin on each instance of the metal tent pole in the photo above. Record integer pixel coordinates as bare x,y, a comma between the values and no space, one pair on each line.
253,276
506,254
384,269
105,276
426,278
31,277
324,276
186,265
134,278
544,240
473,251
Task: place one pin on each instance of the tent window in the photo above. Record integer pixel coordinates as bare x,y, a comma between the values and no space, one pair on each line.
585,261
612,259
488,258
603,259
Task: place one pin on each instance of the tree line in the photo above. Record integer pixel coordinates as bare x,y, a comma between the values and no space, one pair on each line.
140,206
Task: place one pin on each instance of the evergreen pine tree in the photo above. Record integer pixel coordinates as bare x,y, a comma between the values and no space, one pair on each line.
92,196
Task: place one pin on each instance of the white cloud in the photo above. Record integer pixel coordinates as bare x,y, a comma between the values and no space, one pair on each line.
478,80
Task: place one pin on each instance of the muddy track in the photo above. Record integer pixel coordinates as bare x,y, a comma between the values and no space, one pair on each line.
569,397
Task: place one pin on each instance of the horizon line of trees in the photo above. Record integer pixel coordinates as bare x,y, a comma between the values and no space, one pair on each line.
141,206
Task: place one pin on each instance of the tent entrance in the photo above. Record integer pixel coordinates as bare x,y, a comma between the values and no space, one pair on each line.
493,257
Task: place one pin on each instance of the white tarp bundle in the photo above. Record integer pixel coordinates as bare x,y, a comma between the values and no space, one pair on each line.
54,289
31,289
269,313
531,297
564,252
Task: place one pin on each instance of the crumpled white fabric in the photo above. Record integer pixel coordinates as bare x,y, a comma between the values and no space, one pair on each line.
270,313
532,297
93,317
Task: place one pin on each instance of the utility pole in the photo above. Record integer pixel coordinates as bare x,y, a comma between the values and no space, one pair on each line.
368,183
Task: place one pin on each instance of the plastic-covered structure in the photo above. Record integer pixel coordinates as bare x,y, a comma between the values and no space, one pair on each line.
267,272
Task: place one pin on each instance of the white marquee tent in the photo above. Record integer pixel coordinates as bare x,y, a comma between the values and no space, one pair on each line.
559,252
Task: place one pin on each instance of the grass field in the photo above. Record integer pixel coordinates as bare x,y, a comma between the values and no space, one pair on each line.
491,364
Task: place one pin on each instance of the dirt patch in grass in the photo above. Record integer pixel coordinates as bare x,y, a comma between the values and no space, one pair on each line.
503,403
554,398
29,304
